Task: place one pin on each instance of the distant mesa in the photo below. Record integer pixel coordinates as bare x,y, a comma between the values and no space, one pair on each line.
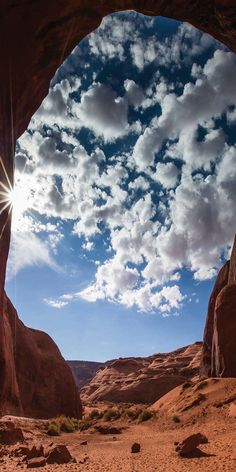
143,379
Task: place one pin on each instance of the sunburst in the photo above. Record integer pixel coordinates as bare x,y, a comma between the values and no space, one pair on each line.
6,191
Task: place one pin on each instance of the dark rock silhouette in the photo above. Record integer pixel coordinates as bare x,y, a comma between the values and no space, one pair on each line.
44,385
219,346
190,444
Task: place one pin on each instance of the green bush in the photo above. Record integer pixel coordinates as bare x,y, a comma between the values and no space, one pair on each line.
67,426
145,415
111,414
53,429
132,413
84,424
94,414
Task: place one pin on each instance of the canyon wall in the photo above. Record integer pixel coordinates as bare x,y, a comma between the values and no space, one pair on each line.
143,379
41,382
219,342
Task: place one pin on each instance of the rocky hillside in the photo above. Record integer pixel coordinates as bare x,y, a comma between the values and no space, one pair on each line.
42,385
143,380
84,371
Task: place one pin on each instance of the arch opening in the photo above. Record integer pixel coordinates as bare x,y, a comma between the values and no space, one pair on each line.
159,202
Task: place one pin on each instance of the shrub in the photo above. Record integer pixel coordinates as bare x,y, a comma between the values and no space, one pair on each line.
84,424
111,414
67,426
94,414
132,413
53,429
145,415
176,419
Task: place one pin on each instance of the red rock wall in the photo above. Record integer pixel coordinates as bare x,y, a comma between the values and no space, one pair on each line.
219,342
38,381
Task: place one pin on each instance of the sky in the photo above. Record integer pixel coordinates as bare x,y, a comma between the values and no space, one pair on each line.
125,189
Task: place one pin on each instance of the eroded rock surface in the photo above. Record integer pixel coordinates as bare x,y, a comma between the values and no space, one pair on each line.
219,343
143,380
44,385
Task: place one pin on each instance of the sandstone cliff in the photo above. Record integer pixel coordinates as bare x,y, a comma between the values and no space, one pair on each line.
219,342
43,383
143,379
84,371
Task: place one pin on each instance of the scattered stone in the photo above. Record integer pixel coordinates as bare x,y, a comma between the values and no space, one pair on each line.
114,438
190,444
84,443
59,455
105,429
37,450
36,462
135,448
9,434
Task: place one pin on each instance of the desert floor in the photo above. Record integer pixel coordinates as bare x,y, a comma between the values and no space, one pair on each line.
113,453
207,406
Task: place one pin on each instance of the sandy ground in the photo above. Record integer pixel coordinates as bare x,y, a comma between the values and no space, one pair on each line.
103,453
109,453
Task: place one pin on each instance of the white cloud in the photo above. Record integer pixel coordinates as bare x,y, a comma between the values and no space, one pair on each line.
28,250
166,174
55,303
102,111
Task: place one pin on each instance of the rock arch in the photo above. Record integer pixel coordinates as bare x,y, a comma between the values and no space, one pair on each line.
35,37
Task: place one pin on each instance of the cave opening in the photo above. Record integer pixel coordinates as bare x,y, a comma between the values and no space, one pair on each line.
121,181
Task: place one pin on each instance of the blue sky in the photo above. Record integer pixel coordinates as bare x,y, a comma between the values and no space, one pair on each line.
125,186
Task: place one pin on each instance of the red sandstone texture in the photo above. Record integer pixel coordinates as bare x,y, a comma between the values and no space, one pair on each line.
43,383
219,347
143,380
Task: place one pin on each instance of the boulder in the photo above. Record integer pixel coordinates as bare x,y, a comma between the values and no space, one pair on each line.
9,434
44,383
59,454
190,444
135,448
36,462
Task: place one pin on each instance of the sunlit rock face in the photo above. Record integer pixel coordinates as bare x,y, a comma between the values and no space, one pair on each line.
143,379
37,382
219,347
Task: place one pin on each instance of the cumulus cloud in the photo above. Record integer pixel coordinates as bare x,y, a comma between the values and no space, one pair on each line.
164,202
103,111
166,174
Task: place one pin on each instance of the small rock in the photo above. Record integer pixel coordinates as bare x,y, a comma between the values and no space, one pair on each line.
189,444
59,455
9,434
135,448
36,462
84,443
